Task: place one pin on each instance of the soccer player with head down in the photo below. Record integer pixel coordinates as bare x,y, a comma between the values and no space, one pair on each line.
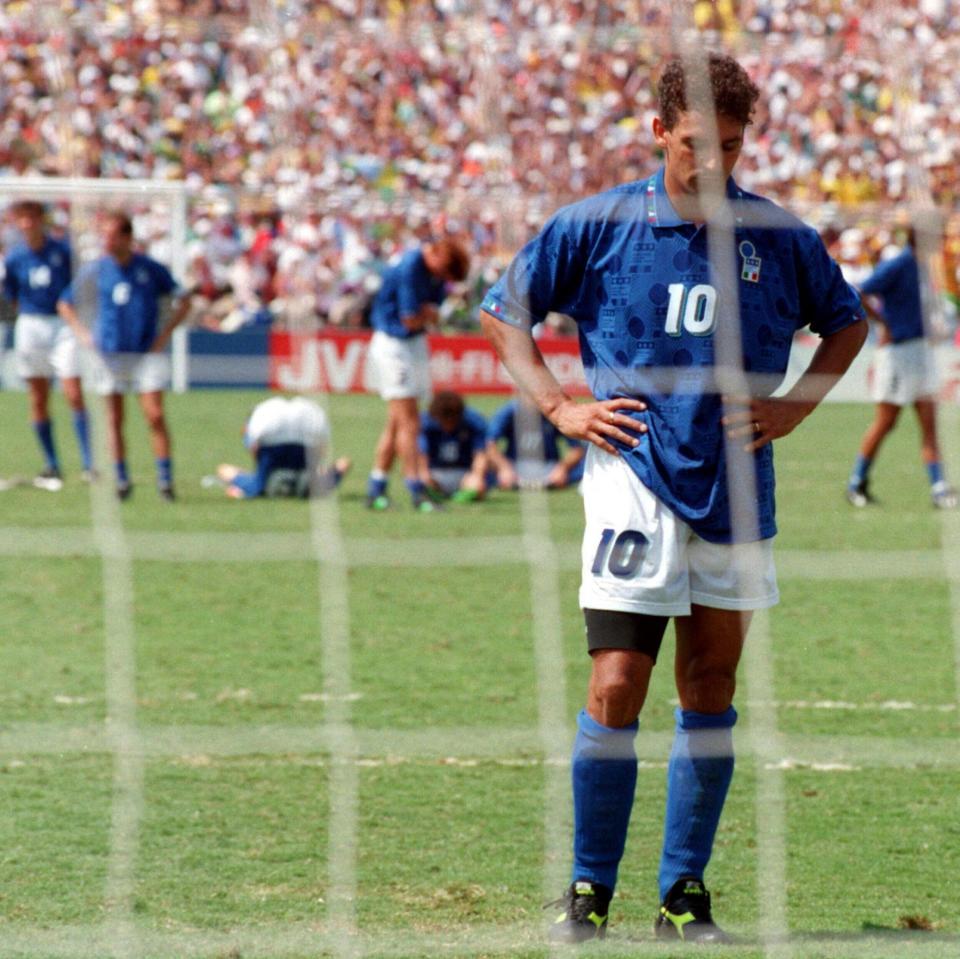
452,449
288,439
904,370
404,308
123,290
36,273
679,486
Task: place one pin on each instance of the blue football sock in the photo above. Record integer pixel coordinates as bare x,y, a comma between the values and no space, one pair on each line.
604,776
416,488
698,776
935,472
81,426
861,469
122,476
376,486
164,471
44,431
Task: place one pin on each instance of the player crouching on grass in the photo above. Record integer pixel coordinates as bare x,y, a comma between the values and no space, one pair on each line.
289,440
678,488
451,445
124,291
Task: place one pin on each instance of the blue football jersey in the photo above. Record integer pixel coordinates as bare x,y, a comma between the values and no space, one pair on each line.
897,281
407,285
456,449
650,311
503,428
126,301
36,278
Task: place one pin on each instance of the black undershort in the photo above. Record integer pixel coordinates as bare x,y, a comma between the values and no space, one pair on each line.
612,629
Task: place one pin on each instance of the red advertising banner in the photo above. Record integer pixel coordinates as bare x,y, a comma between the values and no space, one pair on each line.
336,362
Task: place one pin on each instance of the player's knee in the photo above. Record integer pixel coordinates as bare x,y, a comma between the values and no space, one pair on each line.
708,692
615,699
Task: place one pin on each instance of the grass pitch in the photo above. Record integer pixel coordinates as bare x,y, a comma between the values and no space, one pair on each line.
350,752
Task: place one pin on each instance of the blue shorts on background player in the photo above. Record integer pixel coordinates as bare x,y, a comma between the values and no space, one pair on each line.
674,282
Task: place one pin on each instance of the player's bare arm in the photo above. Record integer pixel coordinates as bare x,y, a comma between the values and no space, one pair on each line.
180,312
763,419
69,315
598,422
427,316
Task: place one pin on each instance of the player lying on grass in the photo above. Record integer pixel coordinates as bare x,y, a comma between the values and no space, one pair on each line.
676,282
289,440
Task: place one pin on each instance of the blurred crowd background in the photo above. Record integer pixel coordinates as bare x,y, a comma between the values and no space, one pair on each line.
318,139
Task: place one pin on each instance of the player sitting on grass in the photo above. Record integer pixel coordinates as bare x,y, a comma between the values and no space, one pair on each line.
524,450
452,447
288,440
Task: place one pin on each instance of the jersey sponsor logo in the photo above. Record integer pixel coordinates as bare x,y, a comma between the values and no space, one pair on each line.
121,294
40,277
751,262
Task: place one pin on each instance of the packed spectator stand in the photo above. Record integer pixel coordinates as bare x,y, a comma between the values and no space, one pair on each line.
317,139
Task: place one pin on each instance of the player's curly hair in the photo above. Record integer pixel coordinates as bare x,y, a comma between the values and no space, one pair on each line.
732,91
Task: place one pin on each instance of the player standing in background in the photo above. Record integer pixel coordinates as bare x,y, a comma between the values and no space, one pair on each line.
669,532
123,290
904,370
530,456
404,308
289,440
452,443
37,272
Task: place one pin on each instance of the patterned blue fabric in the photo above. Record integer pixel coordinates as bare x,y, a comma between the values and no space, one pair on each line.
406,287
653,314
126,301
456,449
36,278
897,281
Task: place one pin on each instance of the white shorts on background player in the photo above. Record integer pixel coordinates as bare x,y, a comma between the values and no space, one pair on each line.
401,366
45,347
640,557
131,373
903,373
448,478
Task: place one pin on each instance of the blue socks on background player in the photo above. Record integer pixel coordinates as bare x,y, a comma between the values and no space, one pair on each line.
604,773
44,431
698,776
376,484
164,472
81,426
861,469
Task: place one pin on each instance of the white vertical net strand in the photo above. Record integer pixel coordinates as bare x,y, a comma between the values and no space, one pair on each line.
769,796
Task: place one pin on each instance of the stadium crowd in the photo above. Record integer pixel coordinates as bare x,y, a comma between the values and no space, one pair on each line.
318,139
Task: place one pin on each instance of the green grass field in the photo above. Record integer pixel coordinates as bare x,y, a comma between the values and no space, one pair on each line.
349,728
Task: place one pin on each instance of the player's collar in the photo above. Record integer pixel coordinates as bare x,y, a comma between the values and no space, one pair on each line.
659,211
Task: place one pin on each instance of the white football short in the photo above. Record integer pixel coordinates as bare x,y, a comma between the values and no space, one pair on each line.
640,557
448,478
131,373
903,373
45,347
401,366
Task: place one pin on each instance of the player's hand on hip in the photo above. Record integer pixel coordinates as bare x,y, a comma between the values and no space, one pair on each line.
759,421
601,422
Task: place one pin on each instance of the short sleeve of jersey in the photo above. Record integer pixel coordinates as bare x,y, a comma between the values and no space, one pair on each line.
163,280
501,423
828,302
478,429
883,278
543,275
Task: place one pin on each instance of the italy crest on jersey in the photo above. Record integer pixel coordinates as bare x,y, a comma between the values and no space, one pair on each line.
751,262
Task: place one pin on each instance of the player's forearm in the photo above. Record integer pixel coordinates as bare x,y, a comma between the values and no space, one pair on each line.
521,356
830,361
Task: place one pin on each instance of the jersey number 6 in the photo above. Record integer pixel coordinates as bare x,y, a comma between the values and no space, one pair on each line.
623,558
